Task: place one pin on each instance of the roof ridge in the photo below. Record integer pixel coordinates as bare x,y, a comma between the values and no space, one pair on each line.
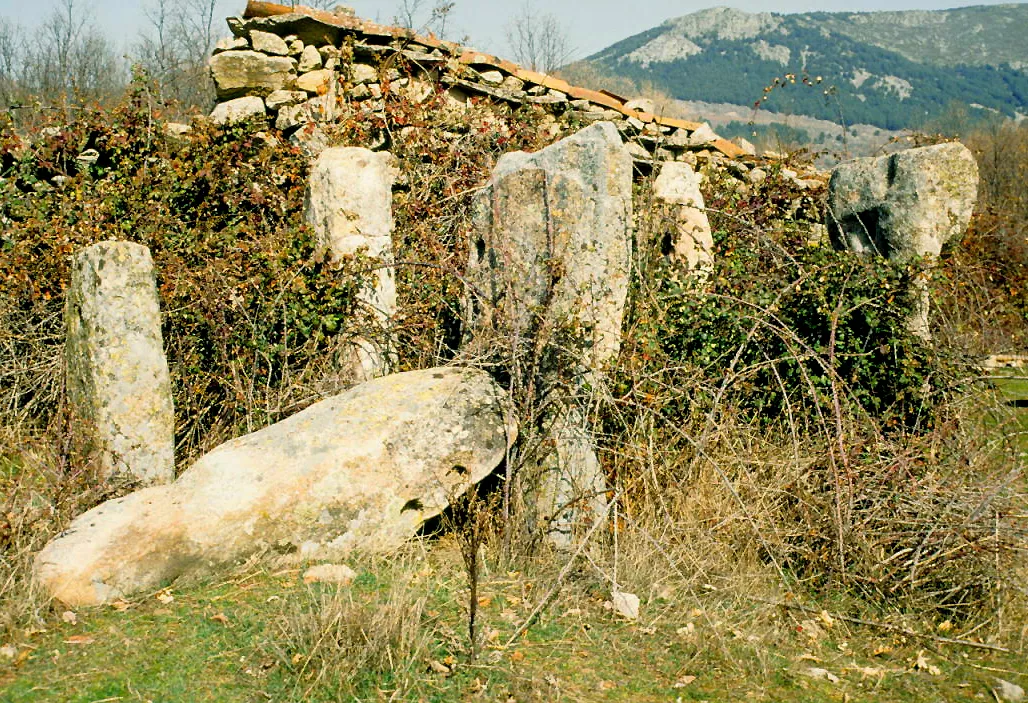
469,56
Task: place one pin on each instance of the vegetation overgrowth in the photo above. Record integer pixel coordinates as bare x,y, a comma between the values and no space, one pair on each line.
771,432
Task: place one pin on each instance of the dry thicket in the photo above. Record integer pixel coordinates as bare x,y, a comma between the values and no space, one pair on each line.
770,426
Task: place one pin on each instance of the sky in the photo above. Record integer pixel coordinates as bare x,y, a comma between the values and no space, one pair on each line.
590,25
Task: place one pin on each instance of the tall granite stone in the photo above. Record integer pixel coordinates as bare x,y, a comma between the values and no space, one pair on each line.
358,472
118,378
903,206
549,268
679,186
349,207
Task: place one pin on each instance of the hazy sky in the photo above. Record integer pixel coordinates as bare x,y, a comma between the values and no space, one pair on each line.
591,24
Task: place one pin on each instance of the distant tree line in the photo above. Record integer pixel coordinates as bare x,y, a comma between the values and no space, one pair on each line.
68,60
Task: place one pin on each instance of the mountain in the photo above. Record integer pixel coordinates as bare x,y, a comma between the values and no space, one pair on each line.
893,70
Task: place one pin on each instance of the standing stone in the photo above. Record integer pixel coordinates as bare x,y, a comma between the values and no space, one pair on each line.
118,376
358,472
549,266
903,206
679,186
349,207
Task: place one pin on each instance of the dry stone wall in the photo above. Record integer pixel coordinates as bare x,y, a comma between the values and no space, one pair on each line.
307,66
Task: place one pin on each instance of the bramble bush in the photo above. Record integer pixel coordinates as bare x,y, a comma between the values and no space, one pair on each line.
246,301
776,409
793,320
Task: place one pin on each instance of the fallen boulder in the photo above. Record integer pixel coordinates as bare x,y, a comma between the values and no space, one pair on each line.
360,471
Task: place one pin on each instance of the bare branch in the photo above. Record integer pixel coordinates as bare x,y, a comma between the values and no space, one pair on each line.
537,40
411,15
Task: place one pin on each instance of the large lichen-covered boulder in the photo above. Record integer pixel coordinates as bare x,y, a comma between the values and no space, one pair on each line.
549,269
117,373
239,73
553,230
357,472
903,205
679,186
349,207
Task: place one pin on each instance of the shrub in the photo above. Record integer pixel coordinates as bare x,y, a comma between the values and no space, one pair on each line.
247,304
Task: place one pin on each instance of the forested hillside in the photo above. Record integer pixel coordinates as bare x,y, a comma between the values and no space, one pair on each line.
815,65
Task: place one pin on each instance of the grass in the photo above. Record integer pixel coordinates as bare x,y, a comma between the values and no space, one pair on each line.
1011,383
230,642
718,622
1009,416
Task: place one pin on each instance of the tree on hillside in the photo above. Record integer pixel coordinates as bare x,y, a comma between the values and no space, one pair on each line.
538,40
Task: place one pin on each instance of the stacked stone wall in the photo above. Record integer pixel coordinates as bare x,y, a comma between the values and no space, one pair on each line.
300,66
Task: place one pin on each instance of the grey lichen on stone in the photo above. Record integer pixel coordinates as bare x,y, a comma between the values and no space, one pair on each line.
553,228
118,379
549,266
358,472
349,207
904,206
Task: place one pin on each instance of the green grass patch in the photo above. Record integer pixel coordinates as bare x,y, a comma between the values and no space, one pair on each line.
231,643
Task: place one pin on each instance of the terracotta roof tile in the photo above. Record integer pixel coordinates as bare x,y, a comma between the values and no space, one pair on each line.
729,149
614,95
477,57
675,122
594,96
